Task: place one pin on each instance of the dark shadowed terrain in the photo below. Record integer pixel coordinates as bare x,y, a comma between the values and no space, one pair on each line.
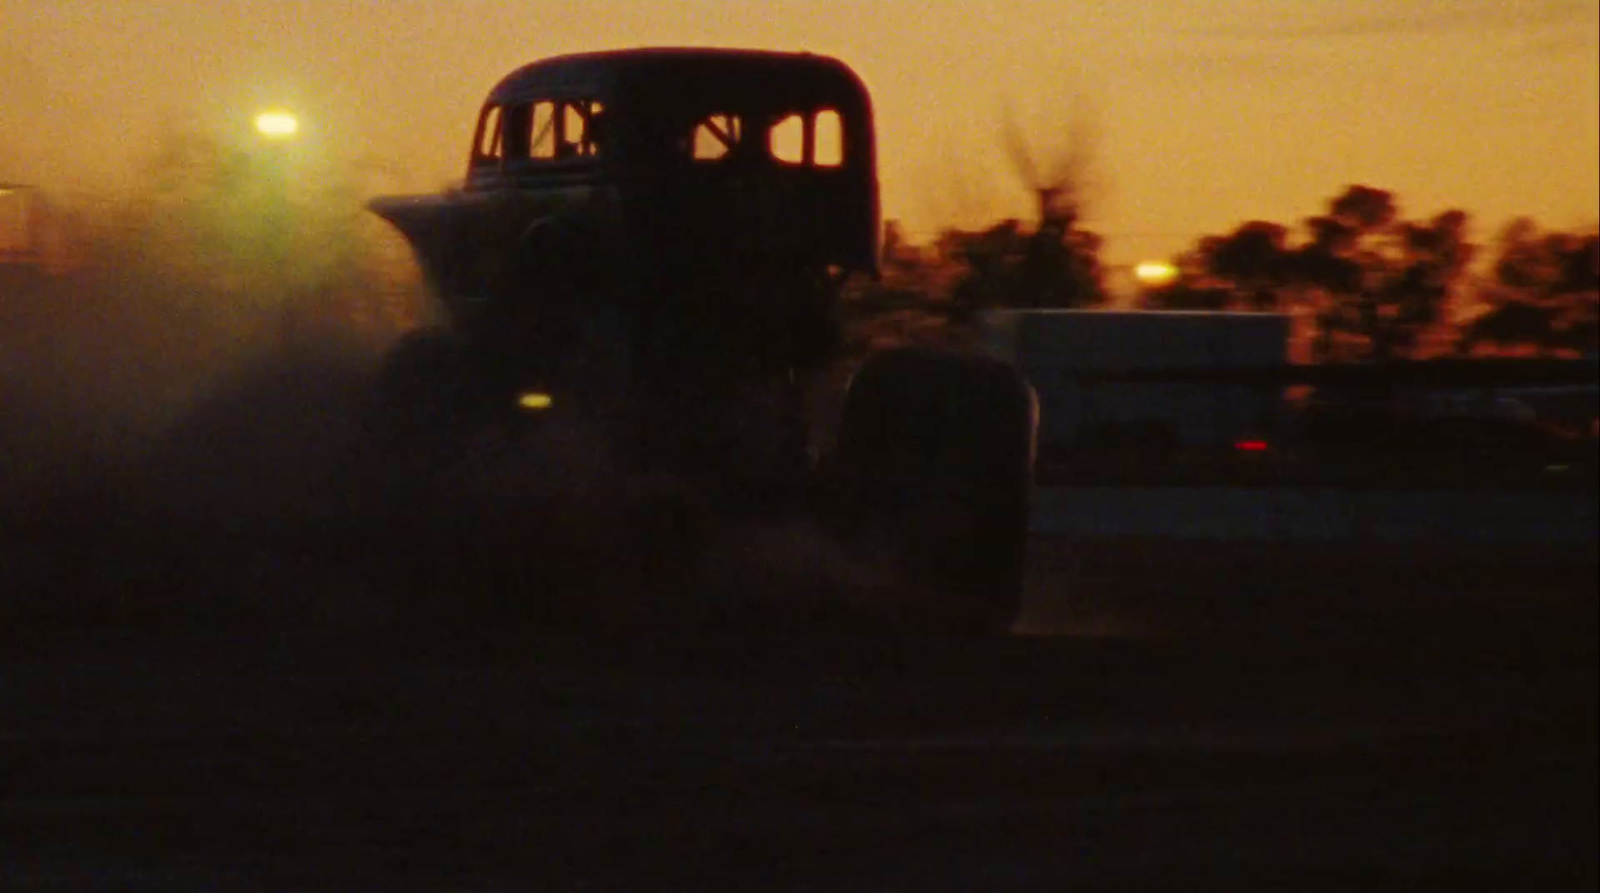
213,678
638,763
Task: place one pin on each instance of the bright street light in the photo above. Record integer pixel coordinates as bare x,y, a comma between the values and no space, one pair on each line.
1155,272
277,125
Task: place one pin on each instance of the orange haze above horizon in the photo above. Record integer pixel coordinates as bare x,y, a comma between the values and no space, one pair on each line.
1202,113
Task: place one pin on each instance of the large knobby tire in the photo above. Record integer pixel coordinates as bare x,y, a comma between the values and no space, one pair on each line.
934,471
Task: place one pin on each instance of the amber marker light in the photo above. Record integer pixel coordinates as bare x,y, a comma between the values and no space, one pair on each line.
535,401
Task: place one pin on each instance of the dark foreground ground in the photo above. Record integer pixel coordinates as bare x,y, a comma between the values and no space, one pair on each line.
1307,743
211,708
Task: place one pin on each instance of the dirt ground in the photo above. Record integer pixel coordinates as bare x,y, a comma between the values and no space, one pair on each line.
202,706
1190,721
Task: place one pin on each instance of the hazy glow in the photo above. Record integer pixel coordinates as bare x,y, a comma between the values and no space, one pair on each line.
277,125
1155,272
535,401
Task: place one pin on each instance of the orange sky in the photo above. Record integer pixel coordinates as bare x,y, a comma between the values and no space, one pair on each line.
1206,112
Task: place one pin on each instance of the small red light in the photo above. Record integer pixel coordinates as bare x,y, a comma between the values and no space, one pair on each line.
1250,446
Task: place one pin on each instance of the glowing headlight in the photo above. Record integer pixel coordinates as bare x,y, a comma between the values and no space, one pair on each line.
534,401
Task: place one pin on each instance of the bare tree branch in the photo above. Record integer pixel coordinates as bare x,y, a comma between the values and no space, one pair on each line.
1061,173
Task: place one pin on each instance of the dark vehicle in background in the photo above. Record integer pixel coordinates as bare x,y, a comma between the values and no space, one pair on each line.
649,245
1162,398
1142,397
1447,436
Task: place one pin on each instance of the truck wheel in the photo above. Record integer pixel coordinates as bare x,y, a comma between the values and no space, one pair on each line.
934,471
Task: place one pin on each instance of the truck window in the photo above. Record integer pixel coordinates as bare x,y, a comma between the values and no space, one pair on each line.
548,130
579,137
827,140
716,136
813,139
542,144
487,150
787,140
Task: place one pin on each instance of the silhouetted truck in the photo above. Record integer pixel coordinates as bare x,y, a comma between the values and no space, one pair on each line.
649,244
1136,380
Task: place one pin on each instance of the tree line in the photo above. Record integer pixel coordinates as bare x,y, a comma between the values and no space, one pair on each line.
1368,282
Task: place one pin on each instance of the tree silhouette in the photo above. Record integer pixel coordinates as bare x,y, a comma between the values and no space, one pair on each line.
1376,283
1187,294
1062,177
1542,294
1380,282
1255,260
1249,268
1337,261
1056,263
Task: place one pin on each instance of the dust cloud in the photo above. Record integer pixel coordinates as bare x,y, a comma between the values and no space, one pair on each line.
186,372
216,321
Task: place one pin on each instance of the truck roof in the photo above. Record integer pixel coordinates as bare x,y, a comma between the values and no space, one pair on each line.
604,75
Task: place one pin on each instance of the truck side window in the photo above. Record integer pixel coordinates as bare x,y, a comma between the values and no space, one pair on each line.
827,139
579,137
542,131
787,140
813,139
716,136
593,135
546,130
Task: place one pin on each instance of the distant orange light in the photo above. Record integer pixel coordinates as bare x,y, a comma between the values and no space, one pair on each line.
1250,446
1155,273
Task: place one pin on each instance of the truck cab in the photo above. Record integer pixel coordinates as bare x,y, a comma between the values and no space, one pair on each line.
699,175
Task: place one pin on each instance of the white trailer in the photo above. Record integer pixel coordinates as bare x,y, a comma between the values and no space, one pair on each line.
1073,357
